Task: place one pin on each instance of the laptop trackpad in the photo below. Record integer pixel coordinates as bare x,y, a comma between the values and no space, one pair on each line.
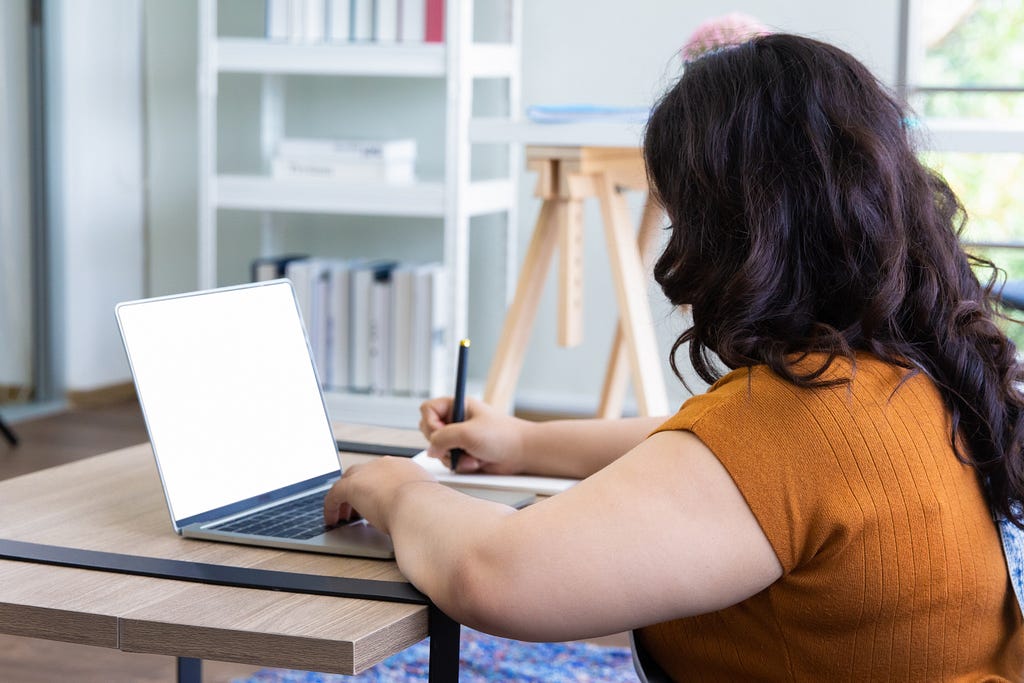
357,538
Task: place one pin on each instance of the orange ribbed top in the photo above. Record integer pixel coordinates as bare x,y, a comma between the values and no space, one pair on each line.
892,565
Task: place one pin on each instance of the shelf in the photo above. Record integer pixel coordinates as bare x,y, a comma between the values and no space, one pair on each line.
421,60
263,193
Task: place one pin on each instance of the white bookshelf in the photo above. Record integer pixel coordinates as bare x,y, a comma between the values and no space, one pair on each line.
454,198
263,193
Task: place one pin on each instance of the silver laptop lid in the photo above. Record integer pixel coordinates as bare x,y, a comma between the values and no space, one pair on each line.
229,394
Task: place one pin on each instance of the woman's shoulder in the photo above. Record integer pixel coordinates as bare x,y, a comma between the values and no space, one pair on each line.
760,390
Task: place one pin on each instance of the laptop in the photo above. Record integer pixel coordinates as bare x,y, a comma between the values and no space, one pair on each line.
237,420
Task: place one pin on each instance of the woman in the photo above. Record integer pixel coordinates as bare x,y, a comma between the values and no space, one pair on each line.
824,511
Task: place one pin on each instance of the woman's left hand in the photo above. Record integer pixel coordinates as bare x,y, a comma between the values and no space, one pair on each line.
370,489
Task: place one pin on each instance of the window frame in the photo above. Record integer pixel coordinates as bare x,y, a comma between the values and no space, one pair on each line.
971,135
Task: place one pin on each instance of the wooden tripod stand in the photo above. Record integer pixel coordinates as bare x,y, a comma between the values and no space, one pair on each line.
567,176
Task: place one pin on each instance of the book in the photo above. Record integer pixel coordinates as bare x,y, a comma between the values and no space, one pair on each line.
364,322
314,14
296,20
412,21
278,13
272,267
338,28
385,21
434,21
392,173
402,292
359,335
320,305
379,345
430,352
419,333
372,326
362,20
338,326
401,149
298,272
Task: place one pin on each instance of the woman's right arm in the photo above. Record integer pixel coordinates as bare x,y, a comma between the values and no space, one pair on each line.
501,444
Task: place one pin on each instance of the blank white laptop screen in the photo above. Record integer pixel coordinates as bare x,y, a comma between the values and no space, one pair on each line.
229,393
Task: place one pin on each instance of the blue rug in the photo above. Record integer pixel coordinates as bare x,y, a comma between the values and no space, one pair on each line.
487,658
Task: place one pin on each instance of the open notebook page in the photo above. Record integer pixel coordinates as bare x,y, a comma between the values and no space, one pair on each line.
545,486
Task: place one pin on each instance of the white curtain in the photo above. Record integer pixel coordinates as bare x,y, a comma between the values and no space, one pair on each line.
15,201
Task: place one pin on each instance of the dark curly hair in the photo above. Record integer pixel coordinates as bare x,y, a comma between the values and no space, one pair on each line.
805,223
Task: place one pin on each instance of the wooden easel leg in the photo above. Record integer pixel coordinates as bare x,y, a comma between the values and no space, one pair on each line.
570,273
631,292
613,391
515,333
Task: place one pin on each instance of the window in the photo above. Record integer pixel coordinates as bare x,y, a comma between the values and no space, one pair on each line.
962,66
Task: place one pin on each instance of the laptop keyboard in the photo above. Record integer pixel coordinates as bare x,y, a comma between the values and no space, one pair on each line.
301,518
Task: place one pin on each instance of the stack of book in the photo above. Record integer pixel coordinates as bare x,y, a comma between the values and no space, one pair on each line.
344,21
376,327
370,161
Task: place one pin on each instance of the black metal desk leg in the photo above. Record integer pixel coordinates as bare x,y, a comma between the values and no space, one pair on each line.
8,433
444,647
190,670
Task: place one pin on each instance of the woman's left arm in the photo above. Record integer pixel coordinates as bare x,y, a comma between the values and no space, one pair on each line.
661,533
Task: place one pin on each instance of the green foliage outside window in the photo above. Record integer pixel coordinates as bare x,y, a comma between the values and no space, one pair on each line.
978,44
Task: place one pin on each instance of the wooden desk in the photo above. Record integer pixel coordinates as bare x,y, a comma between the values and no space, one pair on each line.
114,503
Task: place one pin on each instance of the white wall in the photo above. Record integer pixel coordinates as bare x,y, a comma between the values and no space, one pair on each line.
617,53
95,173
15,200
600,51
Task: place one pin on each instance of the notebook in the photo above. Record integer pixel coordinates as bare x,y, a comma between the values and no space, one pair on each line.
237,420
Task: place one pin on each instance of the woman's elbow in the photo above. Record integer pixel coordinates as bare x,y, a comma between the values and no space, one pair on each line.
482,592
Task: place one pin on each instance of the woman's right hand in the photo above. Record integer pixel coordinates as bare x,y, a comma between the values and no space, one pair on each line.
492,441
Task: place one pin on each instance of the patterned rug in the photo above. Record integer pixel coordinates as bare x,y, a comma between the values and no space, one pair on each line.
487,658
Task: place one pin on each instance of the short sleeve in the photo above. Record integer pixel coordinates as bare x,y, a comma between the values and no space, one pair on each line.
772,439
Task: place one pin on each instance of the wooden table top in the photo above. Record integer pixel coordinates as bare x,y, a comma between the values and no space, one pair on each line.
114,503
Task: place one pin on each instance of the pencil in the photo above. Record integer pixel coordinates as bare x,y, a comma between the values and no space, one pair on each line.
459,402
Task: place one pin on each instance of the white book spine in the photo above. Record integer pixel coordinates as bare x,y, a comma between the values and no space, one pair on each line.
338,326
298,273
314,21
412,20
362,20
386,21
419,366
359,310
439,377
296,21
380,335
402,287
278,15
321,304
339,14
